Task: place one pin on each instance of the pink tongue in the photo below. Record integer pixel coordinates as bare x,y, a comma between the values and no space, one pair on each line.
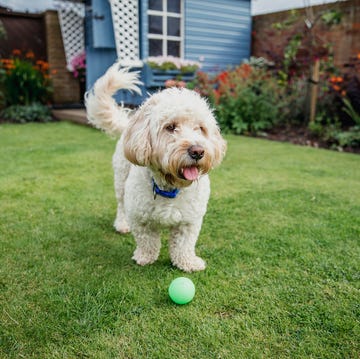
191,173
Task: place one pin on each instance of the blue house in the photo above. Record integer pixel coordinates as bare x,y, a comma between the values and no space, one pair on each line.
215,33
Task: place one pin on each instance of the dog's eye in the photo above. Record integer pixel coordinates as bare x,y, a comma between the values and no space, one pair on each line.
171,127
203,130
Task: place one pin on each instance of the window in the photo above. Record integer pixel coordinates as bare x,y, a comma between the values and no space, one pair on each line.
165,29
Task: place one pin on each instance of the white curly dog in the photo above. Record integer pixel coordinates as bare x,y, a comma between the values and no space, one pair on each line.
161,164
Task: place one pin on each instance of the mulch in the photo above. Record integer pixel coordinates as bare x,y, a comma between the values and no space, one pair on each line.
302,136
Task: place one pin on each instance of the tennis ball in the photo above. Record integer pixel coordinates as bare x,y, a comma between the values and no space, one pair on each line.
182,290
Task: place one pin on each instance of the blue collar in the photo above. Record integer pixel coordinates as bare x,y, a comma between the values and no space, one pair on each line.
167,194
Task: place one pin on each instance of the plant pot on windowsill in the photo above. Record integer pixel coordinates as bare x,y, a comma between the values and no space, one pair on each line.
158,77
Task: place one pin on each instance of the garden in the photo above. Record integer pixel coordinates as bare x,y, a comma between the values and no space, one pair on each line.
301,97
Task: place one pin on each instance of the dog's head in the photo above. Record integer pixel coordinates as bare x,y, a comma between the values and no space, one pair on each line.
175,133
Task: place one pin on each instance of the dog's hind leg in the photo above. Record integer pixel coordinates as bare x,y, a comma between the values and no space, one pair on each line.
121,171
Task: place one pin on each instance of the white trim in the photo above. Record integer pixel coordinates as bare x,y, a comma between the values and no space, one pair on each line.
160,13
164,37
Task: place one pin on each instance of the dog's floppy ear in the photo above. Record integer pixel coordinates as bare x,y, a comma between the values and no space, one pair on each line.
219,146
137,140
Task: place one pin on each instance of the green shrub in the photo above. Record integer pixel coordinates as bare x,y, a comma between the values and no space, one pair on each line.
350,138
35,112
329,129
248,101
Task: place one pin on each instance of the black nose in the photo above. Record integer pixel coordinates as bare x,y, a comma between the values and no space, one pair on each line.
196,152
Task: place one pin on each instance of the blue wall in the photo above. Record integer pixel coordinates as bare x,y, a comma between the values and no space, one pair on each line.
218,32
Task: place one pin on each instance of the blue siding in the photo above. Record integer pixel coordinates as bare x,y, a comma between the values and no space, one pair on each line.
218,32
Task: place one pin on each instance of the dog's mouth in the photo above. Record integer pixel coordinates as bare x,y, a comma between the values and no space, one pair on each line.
189,173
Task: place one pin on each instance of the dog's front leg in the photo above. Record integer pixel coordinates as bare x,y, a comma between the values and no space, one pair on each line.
182,247
148,244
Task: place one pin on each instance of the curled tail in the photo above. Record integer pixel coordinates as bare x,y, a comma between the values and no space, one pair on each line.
101,108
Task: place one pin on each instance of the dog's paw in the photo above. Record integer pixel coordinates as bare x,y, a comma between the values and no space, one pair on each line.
190,264
121,227
143,258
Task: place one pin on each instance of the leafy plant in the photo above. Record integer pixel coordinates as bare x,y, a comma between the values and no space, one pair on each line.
24,80
350,138
349,109
35,112
247,101
332,17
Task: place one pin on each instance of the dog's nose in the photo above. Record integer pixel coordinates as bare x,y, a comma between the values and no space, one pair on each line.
196,152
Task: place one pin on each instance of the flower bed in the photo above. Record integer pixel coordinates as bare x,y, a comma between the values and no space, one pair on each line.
25,87
253,99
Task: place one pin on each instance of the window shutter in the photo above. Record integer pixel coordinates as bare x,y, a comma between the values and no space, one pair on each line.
71,18
102,27
125,15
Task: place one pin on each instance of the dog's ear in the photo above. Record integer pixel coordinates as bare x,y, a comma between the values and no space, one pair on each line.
137,140
219,146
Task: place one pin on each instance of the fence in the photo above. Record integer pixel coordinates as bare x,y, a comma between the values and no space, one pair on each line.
269,42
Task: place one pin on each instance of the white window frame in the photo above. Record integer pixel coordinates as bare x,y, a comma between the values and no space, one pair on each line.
164,36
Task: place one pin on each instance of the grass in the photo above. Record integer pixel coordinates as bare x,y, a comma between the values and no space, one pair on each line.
281,239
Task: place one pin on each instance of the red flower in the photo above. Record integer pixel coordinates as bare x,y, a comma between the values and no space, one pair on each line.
223,77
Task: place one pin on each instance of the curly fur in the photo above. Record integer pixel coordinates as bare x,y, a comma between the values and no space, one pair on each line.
172,138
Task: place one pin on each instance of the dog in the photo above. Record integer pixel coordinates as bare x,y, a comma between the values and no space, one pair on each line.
161,164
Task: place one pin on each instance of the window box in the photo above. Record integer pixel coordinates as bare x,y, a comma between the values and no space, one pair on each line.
157,77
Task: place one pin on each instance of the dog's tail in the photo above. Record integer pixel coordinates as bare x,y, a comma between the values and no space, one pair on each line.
102,110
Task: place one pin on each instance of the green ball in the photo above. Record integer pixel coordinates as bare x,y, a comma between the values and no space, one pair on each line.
182,290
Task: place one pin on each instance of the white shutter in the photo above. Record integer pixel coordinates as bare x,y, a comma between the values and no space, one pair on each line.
125,15
71,18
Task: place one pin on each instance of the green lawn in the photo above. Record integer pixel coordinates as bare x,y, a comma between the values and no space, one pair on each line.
281,239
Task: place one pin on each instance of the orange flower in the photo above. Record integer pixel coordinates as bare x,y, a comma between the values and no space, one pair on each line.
339,79
8,64
336,79
16,52
343,93
30,55
336,87
358,56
